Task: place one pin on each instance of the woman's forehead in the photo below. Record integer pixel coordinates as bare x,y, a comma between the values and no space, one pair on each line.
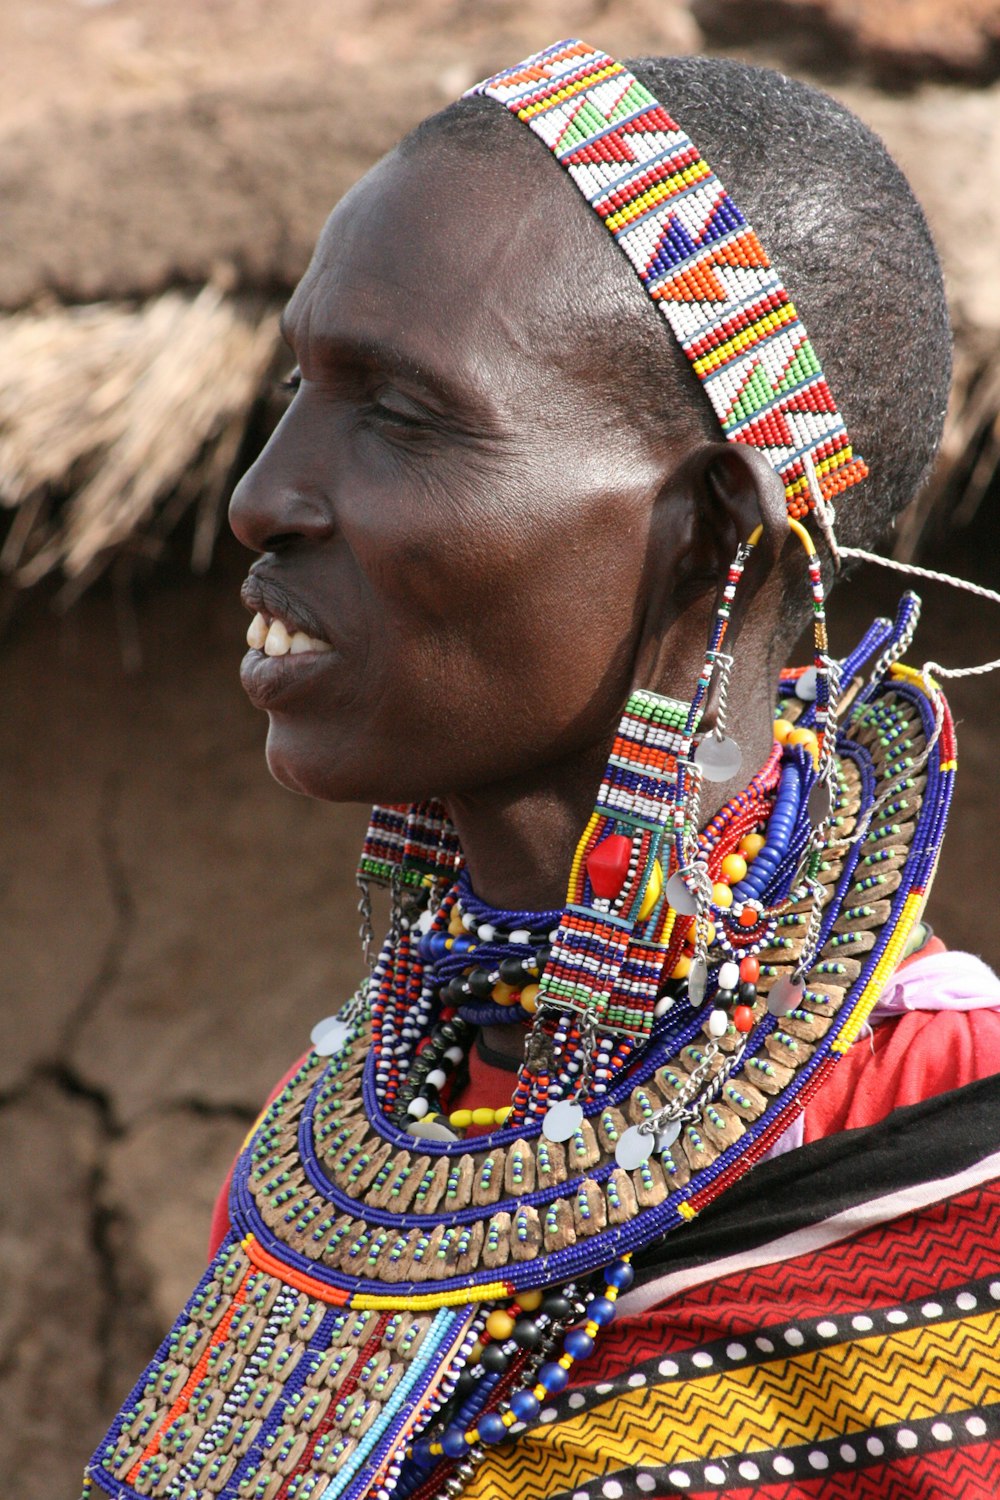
453,263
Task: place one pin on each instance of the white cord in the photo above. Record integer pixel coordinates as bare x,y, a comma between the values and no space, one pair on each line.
958,583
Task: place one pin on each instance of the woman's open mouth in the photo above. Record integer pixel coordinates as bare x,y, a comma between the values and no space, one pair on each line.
281,659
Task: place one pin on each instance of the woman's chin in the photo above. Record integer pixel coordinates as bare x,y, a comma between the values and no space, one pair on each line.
344,772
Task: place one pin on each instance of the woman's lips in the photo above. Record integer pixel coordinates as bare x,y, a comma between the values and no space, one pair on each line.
279,660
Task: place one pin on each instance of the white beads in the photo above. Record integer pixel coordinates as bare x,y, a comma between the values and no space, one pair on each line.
729,975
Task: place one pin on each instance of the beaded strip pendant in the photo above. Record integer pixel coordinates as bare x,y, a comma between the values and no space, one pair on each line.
695,255
408,843
616,880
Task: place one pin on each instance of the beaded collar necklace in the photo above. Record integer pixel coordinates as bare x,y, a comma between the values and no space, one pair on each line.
455,1279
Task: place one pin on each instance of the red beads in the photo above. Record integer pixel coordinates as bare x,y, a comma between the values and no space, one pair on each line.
607,865
749,970
743,1018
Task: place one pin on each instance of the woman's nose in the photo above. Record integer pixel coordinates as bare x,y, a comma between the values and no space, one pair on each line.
277,500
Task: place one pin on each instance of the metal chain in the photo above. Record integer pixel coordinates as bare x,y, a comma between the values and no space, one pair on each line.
366,932
588,1041
690,1100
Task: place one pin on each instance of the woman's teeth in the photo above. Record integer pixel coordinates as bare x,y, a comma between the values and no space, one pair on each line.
274,639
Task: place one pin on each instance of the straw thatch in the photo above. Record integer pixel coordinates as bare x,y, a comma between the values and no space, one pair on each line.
114,420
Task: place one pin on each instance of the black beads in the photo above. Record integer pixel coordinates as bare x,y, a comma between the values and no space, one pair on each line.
512,971
527,1334
480,984
493,1359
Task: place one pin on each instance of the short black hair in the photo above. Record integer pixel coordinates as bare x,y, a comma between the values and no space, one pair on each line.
844,231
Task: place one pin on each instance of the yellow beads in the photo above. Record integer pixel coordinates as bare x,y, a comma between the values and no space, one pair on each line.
721,894
806,738
751,844
786,733
499,1324
461,1119
654,890
734,867
529,998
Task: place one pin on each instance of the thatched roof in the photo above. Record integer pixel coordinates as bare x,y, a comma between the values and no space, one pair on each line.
115,420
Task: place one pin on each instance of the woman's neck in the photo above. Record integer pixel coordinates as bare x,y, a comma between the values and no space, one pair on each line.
519,837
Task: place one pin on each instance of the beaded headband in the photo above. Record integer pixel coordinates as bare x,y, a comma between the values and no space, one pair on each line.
696,256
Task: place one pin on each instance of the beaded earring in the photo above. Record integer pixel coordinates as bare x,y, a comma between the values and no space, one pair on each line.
604,972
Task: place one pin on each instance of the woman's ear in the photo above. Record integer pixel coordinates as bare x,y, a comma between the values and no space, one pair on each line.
717,498
741,492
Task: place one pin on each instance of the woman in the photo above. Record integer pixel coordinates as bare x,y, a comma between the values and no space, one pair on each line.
511,562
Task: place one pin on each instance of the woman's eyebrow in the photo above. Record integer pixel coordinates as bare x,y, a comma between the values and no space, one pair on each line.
373,353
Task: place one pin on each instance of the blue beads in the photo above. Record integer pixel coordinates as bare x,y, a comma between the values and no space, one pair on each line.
524,1405
600,1311
433,945
620,1275
553,1376
491,1428
453,1443
578,1343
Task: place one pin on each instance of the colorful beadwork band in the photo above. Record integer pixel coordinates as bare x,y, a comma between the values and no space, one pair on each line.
696,256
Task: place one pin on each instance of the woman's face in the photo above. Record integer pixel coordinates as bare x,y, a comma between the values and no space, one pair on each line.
449,503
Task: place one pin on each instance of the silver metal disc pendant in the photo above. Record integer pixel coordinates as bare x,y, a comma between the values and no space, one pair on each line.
430,1130
329,1036
819,803
667,1137
805,685
561,1121
785,996
679,897
633,1148
697,981
718,760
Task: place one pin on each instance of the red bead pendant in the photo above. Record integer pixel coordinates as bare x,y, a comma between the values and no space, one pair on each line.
607,865
743,1018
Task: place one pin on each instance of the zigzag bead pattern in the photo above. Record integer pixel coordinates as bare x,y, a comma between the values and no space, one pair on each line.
695,255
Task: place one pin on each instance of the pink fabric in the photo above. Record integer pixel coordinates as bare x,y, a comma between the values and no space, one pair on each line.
940,981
